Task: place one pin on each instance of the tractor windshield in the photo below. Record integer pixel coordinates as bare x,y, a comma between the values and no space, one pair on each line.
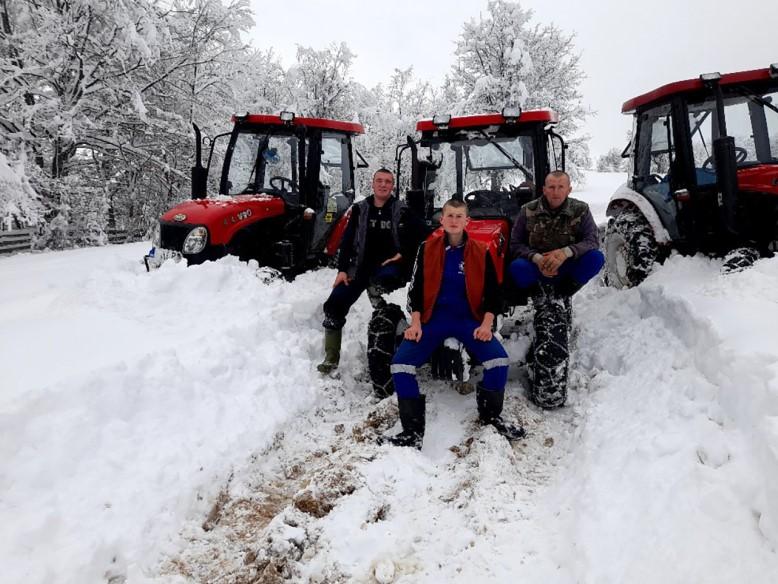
263,162
751,119
479,163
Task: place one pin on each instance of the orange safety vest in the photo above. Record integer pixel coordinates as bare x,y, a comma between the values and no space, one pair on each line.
475,273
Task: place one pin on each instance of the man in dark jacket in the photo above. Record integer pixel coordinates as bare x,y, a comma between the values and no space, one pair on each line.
454,293
555,242
373,253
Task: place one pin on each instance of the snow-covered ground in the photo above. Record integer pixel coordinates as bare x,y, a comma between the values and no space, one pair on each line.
171,427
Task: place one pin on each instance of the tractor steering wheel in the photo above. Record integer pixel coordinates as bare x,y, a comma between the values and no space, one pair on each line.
284,181
483,199
657,177
740,155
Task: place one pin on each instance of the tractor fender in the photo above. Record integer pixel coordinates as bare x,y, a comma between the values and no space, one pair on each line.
625,196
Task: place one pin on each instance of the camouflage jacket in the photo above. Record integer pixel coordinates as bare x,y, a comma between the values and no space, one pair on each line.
539,229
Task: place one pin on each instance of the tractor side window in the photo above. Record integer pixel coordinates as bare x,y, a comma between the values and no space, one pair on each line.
701,126
661,146
333,173
243,163
655,150
556,149
443,182
740,128
771,121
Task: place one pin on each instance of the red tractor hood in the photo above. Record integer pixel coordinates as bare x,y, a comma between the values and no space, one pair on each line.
762,179
223,215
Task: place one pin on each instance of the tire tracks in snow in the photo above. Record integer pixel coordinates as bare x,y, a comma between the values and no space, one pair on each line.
324,503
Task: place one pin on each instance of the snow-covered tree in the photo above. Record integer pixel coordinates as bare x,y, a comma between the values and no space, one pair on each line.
503,59
19,204
492,60
101,95
612,161
389,113
319,85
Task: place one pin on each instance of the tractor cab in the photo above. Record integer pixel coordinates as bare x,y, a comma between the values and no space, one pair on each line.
285,187
494,162
704,172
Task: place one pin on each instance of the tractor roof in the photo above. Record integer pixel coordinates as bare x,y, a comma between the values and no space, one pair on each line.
323,123
691,86
546,116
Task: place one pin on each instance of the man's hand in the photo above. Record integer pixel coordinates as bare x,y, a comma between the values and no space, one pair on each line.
395,258
413,332
341,278
550,262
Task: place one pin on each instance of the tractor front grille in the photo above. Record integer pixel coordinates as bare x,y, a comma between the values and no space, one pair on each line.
172,235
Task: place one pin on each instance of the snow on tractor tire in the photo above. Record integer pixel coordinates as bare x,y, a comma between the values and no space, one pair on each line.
630,249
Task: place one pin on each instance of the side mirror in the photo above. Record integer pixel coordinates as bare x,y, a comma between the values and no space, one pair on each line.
361,162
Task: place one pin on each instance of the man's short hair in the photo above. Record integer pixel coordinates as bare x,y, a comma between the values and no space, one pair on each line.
455,204
558,174
385,170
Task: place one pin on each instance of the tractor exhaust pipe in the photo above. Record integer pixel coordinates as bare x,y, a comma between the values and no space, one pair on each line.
199,173
726,178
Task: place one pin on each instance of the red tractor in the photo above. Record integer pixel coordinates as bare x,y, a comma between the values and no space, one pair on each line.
494,163
491,161
285,187
703,176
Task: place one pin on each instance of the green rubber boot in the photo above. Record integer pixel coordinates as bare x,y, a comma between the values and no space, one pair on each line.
331,351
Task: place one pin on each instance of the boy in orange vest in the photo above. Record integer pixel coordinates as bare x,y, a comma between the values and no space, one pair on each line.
454,293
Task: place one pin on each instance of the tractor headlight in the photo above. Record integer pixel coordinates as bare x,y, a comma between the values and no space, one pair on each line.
195,241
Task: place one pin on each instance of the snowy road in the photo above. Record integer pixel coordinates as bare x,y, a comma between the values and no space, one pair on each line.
137,408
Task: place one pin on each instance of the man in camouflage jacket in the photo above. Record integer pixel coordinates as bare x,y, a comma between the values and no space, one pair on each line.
554,241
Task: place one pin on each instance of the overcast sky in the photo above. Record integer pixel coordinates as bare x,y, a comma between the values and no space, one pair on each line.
627,47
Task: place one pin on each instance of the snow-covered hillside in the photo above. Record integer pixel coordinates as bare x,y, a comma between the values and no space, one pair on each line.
171,427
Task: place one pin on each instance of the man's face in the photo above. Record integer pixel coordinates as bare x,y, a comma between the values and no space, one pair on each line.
556,189
383,183
454,219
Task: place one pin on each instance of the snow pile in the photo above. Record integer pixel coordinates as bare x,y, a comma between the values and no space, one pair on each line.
675,475
128,397
171,427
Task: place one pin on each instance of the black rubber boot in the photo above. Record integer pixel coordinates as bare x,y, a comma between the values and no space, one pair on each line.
489,410
332,339
412,418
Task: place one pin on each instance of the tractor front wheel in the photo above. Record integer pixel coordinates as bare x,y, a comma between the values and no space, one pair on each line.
630,249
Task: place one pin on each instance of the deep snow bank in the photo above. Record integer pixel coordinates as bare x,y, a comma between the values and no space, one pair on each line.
127,398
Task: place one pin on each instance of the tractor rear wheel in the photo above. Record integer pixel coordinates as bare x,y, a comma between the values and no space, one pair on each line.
630,249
